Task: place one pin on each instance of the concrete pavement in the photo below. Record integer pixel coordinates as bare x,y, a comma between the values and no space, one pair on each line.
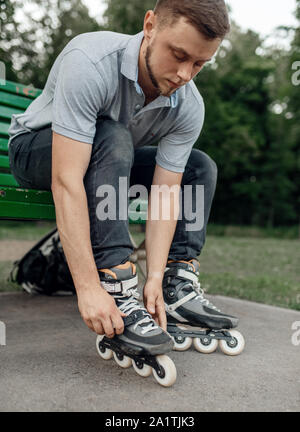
50,363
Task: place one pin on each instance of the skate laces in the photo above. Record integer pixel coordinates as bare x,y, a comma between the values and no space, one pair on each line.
200,296
129,303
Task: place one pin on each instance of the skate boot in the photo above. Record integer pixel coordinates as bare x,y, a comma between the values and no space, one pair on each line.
192,318
143,343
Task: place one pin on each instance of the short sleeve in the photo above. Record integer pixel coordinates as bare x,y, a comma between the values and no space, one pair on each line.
79,97
175,148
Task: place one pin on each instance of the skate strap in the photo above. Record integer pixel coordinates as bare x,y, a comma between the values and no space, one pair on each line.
174,306
121,286
184,274
135,317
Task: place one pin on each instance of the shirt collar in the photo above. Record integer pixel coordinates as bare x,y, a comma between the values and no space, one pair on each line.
130,70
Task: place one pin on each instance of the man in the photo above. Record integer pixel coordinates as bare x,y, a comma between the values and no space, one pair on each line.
108,98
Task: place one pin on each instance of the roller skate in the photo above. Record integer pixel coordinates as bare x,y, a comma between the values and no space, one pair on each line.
143,343
191,318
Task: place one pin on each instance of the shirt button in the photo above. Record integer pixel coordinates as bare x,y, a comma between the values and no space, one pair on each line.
138,107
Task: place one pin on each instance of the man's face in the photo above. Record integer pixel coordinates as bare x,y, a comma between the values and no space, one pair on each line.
175,55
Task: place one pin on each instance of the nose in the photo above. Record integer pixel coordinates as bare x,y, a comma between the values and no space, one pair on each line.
185,73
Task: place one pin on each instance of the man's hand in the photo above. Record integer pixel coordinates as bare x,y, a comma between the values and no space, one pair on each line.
100,313
154,302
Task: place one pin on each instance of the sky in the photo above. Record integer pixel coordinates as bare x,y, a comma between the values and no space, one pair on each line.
263,16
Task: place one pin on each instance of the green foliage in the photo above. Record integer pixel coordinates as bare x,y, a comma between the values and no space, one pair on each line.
43,37
127,16
8,30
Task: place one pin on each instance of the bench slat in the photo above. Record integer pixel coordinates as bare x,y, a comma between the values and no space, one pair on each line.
4,145
33,211
14,101
35,198
4,128
4,162
8,180
20,89
30,211
8,194
7,112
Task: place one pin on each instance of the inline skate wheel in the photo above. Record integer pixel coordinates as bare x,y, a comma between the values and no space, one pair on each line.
205,345
167,375
142,368
235,346
105,353
182,343
122,360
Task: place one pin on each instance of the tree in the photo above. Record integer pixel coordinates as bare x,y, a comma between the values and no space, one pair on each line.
294,112
126,16
8,33
44,37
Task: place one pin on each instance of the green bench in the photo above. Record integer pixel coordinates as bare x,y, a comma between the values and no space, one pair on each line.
17,203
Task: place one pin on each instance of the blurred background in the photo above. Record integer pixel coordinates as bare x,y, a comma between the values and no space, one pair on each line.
252,128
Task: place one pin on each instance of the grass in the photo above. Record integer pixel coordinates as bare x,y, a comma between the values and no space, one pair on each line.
5,285
263,269
292,232
14,230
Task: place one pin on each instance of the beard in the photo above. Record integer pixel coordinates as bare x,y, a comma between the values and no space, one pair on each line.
159,91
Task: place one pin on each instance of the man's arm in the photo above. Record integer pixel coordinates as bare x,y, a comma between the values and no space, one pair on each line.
70,160
159,236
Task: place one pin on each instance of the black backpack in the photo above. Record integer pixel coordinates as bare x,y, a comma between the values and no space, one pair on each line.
44,269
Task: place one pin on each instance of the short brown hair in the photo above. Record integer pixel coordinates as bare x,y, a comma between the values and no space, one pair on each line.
210,17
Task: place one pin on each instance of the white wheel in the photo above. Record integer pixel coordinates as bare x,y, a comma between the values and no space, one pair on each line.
182,344
205,345
104,353
142,369
125,362
168,369
237,346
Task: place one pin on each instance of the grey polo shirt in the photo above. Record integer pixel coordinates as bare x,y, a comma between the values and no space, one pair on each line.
96,75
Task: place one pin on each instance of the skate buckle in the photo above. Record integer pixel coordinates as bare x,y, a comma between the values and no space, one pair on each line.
121,286
187,275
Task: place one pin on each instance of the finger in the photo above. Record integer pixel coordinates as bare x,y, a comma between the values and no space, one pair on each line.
150,305
98,328
118,324
89,324
162,318
161,313
108,328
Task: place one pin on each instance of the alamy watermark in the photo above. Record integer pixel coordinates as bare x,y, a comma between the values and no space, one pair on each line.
296,334
167,203
296,75
2,73
296,327
2,333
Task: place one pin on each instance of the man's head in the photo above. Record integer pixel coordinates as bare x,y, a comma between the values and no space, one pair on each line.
180,37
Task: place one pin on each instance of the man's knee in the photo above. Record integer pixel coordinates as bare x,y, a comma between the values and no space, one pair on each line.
115,140
203,164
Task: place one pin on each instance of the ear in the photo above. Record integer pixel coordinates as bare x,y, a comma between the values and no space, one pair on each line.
149,25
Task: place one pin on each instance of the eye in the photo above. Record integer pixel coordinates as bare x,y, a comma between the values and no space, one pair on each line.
178,57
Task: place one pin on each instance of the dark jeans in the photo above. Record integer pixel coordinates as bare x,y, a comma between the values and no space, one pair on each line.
114,156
